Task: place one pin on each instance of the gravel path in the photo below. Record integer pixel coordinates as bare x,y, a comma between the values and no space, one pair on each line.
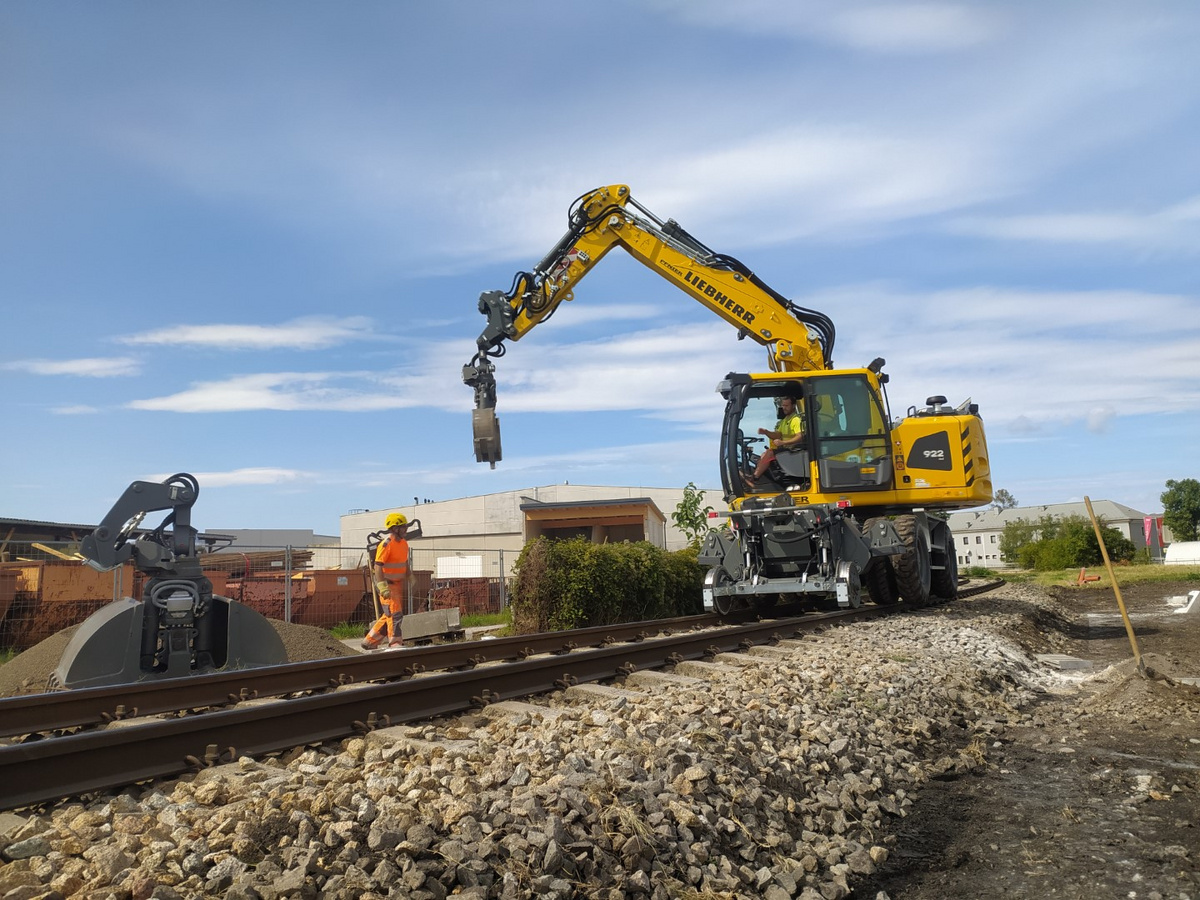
794,773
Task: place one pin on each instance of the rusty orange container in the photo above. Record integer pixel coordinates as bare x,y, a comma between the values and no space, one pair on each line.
320,597
52,595
8,589
333,597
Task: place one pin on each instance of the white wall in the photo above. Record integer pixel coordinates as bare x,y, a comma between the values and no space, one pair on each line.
493,522
1183,553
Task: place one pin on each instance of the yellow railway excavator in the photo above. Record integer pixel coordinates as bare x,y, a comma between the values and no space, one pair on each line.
853,509
179,627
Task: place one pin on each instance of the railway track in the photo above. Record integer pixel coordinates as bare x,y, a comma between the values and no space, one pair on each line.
63,750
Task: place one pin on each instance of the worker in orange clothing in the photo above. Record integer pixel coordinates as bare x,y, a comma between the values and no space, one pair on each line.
392,558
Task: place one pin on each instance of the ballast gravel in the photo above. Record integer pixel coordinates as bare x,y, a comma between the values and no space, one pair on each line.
777,776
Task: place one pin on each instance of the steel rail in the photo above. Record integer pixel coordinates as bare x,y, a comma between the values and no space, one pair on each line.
47,770
89,707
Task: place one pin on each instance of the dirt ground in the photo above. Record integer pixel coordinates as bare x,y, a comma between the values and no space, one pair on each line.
1096,793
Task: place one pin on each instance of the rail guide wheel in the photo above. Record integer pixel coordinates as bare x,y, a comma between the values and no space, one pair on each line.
721,603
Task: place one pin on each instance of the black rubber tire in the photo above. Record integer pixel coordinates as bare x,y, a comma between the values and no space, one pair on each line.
913,571
944,582
878,577
880,582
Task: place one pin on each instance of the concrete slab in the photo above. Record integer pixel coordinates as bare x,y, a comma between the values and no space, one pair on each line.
401,737
1063,662
706,670
738,659
770,651
435,623
1190,604
796,643
594,692
651,680
516,709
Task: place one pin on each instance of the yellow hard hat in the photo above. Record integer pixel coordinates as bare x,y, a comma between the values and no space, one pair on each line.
395,519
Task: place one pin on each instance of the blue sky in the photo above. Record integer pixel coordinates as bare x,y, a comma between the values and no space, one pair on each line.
246,240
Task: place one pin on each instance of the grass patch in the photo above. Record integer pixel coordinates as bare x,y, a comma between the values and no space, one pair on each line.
484,619
7,653
1148,574
345,631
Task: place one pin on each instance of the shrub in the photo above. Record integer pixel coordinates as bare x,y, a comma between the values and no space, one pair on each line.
576,584
1053,543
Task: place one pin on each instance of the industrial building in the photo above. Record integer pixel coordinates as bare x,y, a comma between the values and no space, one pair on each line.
486,533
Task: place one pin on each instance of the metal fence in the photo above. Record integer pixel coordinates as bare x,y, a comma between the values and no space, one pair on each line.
45,588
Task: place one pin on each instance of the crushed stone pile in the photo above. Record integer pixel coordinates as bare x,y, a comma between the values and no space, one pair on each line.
785,778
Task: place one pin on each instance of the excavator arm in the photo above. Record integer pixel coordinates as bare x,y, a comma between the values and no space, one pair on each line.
112,542
797,339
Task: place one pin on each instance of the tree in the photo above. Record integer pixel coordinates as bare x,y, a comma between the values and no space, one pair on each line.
1002,499
1051,543
1181,508
689,517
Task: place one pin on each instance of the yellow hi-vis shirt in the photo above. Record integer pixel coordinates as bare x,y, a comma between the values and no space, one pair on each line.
790,426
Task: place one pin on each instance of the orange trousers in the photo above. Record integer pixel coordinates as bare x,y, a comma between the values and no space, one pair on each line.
387,622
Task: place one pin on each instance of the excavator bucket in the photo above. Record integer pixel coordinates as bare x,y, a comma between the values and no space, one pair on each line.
110,646
486,427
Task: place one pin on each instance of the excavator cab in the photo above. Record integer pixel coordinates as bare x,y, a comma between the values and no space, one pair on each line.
847,437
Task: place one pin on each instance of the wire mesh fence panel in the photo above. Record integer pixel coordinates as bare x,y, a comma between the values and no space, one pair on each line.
282,583
46,588
474,581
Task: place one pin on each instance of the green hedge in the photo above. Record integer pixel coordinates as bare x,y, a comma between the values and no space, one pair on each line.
577,584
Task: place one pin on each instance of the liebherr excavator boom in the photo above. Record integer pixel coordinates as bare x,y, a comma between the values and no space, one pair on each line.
848,505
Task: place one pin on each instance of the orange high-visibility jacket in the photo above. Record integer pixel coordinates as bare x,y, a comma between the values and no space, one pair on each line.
392,556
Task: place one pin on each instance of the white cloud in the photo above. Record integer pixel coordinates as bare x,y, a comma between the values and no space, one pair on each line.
84,368
1173,228
912,27
77,410
1032,360
246,476
1099,417
292,391
309,333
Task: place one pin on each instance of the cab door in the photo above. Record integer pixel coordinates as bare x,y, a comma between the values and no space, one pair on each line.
853,439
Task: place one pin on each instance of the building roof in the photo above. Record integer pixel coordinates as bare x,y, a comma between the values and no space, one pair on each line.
991,519
579,504
596,509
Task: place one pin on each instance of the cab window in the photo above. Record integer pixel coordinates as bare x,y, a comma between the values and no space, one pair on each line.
850,422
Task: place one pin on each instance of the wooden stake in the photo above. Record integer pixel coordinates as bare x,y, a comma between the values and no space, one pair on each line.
1137,656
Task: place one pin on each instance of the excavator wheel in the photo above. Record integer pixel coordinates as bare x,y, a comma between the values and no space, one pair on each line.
944,582
879,578
880,581
913,571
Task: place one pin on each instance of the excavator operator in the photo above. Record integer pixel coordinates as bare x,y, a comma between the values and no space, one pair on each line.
788,433
392,567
